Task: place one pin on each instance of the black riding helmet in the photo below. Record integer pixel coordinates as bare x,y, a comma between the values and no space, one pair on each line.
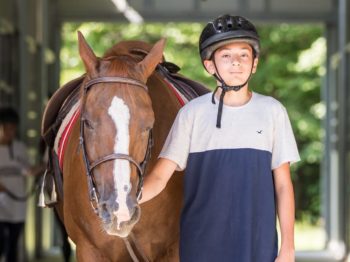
226,29
222,31
8,115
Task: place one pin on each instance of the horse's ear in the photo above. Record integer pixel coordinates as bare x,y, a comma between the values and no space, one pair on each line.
149,63
87,55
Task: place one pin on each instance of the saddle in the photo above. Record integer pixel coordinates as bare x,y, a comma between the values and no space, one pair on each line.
57,108
188,88
55,111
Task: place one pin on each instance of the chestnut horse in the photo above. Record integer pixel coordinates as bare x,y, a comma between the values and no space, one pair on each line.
104,153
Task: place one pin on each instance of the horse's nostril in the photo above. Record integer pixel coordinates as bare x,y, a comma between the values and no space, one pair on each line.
104,207
104,214
109,206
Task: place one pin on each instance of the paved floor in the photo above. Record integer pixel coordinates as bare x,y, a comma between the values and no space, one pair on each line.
54,256
51,258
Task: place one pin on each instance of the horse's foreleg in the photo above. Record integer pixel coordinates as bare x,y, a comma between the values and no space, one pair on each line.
87,253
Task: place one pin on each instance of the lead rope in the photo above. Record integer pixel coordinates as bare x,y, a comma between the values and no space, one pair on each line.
136,248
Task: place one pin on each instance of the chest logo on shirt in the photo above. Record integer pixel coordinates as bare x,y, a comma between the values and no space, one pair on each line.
259,132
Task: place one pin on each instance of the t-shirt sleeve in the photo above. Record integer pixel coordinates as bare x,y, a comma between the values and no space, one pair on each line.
284,145
177,145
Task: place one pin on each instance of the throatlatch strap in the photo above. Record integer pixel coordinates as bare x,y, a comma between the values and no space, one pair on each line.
224,88
218,118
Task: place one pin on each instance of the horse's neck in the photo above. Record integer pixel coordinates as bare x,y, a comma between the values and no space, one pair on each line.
165,106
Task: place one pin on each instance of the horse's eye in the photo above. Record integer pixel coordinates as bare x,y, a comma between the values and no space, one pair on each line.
88,124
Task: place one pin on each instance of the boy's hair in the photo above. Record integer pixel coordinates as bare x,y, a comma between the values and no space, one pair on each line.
8,115
227,29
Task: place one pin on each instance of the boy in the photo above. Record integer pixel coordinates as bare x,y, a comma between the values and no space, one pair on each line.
237,168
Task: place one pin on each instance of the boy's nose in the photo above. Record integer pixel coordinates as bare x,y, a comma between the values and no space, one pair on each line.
235,61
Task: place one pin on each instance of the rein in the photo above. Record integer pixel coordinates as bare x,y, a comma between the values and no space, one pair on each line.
132,246
89,166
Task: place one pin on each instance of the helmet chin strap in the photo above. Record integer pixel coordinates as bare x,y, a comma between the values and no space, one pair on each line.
225,88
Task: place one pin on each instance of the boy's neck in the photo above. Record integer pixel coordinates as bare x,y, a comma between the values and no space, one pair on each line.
235,98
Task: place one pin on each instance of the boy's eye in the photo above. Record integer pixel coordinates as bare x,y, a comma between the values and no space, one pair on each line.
226,57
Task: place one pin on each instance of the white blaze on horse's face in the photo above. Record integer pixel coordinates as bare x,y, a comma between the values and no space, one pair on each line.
120,114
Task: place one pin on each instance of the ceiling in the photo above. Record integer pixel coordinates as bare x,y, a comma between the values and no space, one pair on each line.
200,10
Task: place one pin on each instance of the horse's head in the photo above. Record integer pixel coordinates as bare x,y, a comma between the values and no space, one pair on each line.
116,119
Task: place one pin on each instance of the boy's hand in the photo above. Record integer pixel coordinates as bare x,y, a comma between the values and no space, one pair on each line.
157,179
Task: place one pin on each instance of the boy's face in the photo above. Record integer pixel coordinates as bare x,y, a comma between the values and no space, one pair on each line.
234,62
7,132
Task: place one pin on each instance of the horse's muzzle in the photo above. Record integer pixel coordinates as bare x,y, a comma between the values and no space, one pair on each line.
118,226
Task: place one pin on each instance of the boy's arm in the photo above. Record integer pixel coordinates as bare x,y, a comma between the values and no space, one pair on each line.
285,210
157,179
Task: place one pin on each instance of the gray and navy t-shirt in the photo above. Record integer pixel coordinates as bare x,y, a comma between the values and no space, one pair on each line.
229,205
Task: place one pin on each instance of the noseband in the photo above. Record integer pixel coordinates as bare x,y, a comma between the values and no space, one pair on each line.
90,166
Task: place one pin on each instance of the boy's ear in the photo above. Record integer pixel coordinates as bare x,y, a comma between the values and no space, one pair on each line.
255,64
209,66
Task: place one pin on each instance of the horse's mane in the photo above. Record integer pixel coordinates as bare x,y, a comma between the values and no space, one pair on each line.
125,65
136,49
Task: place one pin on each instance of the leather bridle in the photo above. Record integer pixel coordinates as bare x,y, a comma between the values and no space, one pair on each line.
89,166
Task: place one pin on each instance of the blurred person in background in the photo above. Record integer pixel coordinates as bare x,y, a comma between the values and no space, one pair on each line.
14,166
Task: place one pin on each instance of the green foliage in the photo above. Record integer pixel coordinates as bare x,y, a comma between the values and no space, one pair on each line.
181,48
282,73
290,69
